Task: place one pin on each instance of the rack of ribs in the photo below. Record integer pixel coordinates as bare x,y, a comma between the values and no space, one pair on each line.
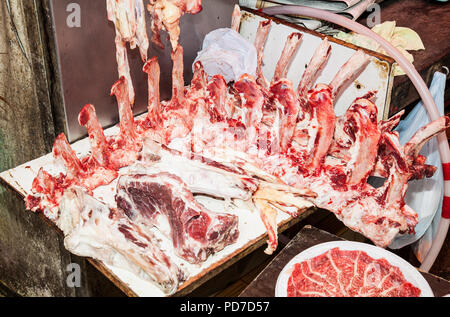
278,147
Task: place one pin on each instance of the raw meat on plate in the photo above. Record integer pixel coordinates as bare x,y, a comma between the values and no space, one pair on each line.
348,273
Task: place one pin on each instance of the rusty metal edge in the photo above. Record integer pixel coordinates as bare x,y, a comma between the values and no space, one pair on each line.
389,60
383,57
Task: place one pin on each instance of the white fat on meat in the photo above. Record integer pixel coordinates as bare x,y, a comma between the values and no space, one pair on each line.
202,176
92,229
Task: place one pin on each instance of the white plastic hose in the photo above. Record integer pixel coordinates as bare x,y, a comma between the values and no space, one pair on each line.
422,89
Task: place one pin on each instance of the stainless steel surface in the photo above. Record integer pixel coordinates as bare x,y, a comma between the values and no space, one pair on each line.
87,57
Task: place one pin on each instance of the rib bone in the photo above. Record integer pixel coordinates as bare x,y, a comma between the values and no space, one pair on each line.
236,18
289,50
261,36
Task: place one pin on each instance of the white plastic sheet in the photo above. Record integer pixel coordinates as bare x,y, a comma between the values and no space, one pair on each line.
424,196
227,53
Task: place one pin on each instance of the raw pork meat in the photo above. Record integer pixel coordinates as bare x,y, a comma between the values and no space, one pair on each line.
342,273
94,230
201,176
166,15
266,131
163,200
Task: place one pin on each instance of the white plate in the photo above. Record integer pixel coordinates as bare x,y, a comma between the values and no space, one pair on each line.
410,273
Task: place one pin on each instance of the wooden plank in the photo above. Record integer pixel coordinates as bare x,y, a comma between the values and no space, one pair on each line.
112,277
312,32
264,284
232,290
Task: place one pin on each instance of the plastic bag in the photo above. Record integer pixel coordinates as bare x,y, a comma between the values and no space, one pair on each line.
227,53
424,196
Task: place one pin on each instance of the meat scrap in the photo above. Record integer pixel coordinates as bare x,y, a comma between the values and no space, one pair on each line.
94,230
166,15
342,273
128,17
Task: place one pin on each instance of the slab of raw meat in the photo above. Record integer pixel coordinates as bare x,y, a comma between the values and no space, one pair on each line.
94,230
163,200
344,273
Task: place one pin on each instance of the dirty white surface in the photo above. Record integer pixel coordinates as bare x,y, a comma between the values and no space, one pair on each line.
251,227
375,77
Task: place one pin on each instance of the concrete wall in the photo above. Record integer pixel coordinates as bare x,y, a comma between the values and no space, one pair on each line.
33,260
